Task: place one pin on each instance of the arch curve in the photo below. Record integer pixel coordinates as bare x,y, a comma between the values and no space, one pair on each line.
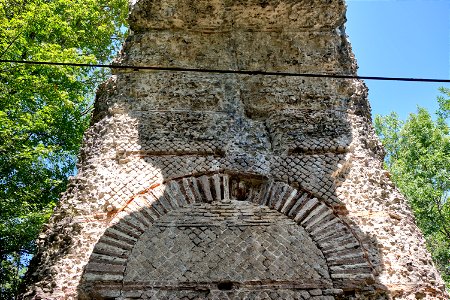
345,258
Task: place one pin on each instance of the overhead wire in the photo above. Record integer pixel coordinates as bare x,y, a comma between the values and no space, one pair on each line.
223,71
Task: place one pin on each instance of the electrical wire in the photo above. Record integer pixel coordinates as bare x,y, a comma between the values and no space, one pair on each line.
220,71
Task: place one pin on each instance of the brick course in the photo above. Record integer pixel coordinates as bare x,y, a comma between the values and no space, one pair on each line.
227,186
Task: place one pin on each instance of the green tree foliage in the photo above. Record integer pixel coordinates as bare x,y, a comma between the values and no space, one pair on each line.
418,158
44,110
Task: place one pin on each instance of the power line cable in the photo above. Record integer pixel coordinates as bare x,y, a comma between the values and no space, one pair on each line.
220,71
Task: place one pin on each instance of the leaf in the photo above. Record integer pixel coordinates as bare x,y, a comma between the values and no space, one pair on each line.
43,109
418,158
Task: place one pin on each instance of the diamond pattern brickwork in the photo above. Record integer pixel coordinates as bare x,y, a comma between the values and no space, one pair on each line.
212,185
250,231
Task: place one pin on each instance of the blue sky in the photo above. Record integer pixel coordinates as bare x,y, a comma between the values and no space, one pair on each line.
401,38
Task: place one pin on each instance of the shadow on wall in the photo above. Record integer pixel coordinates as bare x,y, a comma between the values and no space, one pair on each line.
229,185
243,196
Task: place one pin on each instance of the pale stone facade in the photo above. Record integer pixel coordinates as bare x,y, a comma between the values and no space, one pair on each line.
225,186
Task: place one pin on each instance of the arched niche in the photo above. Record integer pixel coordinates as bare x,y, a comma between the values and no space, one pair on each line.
218,236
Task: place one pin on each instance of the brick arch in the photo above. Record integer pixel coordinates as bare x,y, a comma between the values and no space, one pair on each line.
347,261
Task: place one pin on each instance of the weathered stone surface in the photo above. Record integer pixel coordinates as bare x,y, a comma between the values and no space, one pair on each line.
222,15
223,186
233,241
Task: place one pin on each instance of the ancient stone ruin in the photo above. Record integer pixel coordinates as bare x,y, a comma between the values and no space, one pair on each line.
199,185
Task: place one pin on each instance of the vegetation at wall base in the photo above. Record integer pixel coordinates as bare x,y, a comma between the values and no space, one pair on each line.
418,158
44,111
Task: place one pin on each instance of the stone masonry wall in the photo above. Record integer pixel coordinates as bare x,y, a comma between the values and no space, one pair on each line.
225,186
